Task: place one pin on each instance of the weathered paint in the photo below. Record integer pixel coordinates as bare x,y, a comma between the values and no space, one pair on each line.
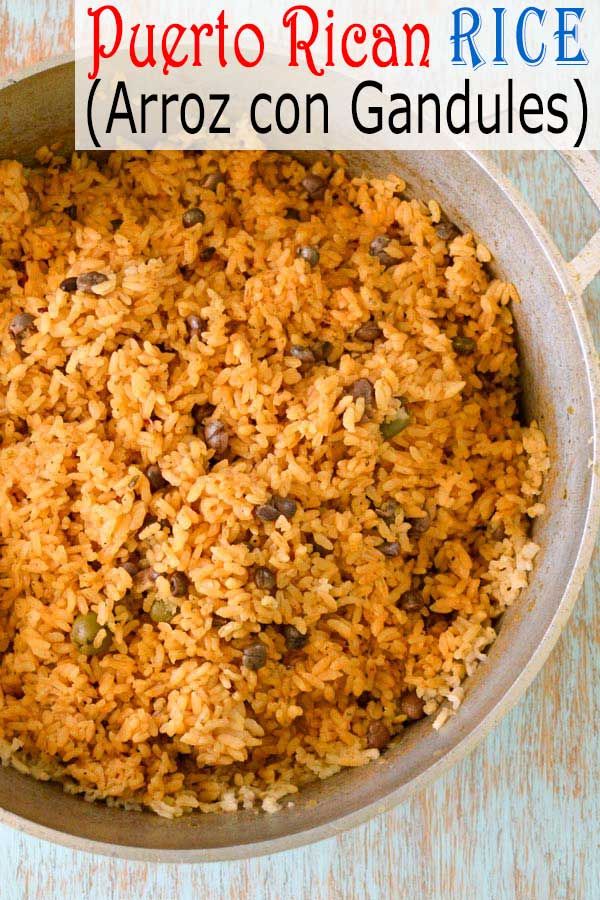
517,819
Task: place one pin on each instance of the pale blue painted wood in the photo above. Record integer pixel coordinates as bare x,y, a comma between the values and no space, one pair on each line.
517,819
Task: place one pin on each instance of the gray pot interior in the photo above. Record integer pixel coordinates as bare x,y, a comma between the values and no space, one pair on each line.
557,381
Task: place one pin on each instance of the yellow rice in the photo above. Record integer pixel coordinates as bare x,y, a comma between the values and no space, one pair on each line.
104,385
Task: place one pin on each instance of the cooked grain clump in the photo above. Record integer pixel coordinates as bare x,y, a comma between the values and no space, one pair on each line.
139,458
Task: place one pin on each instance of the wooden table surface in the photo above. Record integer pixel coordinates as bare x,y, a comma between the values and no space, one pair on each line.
517,819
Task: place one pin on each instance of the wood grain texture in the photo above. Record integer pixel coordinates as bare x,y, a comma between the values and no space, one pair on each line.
517,819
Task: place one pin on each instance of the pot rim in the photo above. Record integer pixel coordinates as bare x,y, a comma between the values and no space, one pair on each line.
538,657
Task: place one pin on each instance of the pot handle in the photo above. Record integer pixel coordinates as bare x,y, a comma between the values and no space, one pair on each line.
586,168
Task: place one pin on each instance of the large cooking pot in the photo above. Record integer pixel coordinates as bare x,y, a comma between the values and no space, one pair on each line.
561,391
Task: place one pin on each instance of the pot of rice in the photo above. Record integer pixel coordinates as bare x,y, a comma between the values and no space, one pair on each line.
297,474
